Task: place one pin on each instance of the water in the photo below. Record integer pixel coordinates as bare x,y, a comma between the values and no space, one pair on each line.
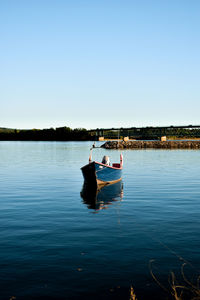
54,244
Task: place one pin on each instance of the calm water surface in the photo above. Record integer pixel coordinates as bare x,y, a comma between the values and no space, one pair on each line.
56,244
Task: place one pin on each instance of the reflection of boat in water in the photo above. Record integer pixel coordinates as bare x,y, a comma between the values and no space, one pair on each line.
100,198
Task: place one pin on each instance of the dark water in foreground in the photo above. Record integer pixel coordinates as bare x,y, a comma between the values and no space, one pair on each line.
54,244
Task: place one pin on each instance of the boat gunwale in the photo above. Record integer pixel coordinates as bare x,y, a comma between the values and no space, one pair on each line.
104,165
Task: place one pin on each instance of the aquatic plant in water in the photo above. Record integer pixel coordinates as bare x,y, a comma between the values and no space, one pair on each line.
185,290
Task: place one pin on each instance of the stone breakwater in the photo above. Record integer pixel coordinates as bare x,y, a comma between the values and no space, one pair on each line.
152,145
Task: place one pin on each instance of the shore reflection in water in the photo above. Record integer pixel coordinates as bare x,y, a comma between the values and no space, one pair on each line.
101,198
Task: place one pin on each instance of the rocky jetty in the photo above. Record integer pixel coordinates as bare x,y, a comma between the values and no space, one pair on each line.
152,145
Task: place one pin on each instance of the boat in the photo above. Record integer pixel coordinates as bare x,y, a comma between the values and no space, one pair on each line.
103,197
102,173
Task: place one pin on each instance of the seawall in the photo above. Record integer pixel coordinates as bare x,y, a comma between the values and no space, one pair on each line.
152,145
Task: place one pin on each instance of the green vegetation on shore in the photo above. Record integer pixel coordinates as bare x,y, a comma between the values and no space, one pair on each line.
154,133
51,134
81,134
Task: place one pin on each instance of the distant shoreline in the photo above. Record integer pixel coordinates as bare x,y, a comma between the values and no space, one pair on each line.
82,134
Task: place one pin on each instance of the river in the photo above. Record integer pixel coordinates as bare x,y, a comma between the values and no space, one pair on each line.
56,244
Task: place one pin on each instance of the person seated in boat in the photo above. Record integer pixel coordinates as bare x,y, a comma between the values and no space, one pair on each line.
106,160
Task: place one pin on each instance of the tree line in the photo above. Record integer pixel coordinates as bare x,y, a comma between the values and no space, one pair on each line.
155,133
82,134
51,134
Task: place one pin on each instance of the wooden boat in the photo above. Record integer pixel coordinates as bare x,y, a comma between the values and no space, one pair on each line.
96,173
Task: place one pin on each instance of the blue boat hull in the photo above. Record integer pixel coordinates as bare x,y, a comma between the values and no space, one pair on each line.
107,174
100,174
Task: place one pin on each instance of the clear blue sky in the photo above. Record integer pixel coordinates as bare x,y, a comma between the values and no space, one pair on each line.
99,63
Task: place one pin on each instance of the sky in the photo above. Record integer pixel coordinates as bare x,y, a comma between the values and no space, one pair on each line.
99,64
